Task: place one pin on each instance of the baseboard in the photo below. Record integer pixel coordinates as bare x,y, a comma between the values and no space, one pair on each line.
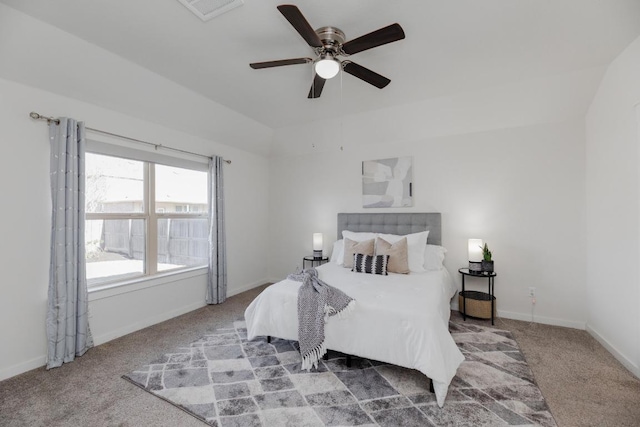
23,367
40,361
635,370
247,287
526,317
167,315
150,321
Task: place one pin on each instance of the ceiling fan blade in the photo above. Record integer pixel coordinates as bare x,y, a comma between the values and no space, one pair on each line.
377,38
298,21
280,63
316,87
365,74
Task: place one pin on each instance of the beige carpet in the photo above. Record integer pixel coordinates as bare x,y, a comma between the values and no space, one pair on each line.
583,384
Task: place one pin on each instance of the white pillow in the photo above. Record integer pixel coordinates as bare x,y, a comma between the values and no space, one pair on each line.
417,243
358,236
337,253
434,257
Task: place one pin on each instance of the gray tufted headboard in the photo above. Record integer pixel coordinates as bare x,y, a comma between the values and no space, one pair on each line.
393,223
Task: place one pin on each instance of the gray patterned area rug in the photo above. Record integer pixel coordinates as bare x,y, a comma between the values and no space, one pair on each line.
225,380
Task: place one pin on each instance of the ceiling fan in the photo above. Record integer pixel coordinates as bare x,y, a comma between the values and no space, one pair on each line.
329,43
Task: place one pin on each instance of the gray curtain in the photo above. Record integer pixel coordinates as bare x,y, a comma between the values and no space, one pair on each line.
217,285
68,332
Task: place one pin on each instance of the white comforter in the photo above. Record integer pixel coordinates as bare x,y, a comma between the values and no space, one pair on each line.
399,319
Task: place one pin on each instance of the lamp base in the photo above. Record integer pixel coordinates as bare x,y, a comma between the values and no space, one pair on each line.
475,267
317,254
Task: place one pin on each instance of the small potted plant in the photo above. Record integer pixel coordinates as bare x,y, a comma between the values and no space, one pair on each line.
487,261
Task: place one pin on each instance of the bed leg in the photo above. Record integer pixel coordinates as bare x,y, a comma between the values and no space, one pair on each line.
431,389
348,361
269,339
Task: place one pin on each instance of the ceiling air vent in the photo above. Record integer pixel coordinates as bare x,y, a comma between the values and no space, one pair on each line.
207,9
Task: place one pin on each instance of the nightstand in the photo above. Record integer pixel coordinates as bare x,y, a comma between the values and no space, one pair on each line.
479,302
315,261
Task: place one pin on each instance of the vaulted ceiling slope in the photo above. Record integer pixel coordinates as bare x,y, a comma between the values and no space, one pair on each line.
451,47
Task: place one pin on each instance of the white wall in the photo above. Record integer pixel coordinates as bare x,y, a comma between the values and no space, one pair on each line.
55,73
25,227
543,100
613,214
520,189
43,56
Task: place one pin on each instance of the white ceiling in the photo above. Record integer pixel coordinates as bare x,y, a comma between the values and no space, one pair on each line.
451,47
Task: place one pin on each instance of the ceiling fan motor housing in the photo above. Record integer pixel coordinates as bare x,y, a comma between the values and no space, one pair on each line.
332,38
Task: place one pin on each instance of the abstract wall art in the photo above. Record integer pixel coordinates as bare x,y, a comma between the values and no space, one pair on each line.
387,183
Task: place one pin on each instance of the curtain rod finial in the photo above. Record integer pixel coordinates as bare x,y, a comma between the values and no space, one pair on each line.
38,116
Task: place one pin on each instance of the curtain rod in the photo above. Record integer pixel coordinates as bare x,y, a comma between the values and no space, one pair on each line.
37,116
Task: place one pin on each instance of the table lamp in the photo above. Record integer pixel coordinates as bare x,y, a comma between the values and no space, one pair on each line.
475,255
317,245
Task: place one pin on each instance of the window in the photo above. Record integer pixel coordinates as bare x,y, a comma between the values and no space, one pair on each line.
142,218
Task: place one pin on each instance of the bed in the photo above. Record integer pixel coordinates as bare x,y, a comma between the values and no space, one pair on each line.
400,319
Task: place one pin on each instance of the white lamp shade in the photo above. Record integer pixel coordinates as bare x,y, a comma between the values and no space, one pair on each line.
317,241
327,68
475,250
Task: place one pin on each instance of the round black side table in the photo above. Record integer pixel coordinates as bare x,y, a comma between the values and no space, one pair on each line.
475,295
315,261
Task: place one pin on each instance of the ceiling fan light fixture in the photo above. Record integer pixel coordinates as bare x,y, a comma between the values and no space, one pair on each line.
327,67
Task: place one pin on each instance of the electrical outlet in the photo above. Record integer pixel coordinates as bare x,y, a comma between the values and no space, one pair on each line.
532,292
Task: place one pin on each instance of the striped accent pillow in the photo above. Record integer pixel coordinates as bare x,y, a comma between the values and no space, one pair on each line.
370,264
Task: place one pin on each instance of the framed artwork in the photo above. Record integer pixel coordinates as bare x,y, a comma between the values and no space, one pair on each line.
387,183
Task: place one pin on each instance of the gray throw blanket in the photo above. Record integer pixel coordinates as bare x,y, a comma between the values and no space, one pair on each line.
316,302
